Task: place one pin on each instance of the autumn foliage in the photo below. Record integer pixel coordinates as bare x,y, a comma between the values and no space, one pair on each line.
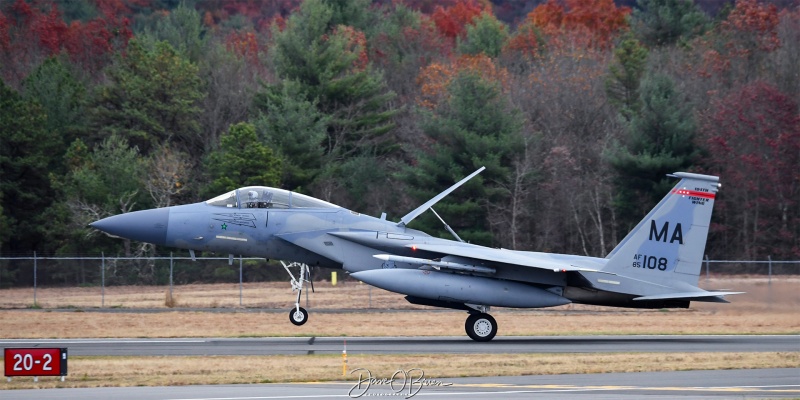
356,43
435,78
35,30
245,44
753,137
758,19
355,93
262,14
583,22
452,21
741,41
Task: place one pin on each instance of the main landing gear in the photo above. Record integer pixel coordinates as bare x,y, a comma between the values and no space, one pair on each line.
480,326
298,315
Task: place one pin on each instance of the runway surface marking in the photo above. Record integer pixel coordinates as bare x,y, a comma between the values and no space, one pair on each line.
97,341
531,389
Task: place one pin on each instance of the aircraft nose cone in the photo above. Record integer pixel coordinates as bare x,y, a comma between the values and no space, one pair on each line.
145,226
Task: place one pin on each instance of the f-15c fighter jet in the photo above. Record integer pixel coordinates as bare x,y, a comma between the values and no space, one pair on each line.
655,266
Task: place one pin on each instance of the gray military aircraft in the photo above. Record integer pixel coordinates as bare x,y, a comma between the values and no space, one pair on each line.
656,265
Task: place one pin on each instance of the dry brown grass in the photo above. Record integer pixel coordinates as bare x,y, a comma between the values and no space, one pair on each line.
161,371
783,295
44,324
765,309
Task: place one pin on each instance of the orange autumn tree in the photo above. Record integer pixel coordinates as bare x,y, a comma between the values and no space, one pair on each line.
757,24
452,21
592,23
528,40
737,50
245,44
436,77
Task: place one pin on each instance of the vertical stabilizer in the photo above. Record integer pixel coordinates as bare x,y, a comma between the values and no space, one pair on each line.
669,243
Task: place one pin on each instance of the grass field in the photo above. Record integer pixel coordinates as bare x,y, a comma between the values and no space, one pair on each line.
781,295
169,371
765,309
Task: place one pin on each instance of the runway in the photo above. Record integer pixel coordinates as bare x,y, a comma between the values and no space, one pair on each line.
416,345
726,384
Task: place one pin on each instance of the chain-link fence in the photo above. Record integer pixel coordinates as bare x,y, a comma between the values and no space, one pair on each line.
116,270
767,268
101,272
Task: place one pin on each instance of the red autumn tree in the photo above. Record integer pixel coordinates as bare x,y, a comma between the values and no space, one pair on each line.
423,41
528,40
245,44
452,21
753,138
261,14
583,22
33,31
758,22
5,39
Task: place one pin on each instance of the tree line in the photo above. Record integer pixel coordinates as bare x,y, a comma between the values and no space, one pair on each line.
578,109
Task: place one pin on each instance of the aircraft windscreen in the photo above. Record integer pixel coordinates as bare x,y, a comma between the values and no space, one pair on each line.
224,200
266,197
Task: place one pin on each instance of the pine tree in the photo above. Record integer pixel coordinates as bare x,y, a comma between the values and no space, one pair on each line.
296,129
659,141
241,160
624,75
151,100
476,127
26,147
665,22
329,64
486,35
324,62
63,100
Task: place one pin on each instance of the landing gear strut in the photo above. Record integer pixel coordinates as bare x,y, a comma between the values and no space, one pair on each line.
298,315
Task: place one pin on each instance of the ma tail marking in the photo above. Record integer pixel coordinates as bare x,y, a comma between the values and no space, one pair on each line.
677,234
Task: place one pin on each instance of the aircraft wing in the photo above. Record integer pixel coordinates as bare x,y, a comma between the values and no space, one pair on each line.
487,256
551,262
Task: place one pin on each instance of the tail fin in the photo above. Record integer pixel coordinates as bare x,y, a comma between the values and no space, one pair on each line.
671,239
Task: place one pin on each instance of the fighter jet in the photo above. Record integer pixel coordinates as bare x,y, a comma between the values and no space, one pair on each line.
656,265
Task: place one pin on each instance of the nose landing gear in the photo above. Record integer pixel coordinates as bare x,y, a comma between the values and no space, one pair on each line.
298,315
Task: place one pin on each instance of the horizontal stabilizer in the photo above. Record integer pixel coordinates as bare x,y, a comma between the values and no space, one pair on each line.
715,297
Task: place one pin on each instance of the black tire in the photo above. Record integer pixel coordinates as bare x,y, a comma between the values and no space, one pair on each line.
298,317
481,327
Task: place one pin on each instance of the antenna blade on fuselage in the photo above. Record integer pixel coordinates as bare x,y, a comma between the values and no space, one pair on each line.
430,203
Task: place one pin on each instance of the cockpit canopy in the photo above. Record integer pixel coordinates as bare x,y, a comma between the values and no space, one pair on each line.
267,197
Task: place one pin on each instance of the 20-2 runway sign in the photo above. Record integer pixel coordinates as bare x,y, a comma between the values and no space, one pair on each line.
35,362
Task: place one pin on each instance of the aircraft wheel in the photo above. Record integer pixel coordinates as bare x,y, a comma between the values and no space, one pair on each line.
481,327
298,317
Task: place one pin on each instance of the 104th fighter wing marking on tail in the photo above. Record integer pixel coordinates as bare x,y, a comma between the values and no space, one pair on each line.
656,265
